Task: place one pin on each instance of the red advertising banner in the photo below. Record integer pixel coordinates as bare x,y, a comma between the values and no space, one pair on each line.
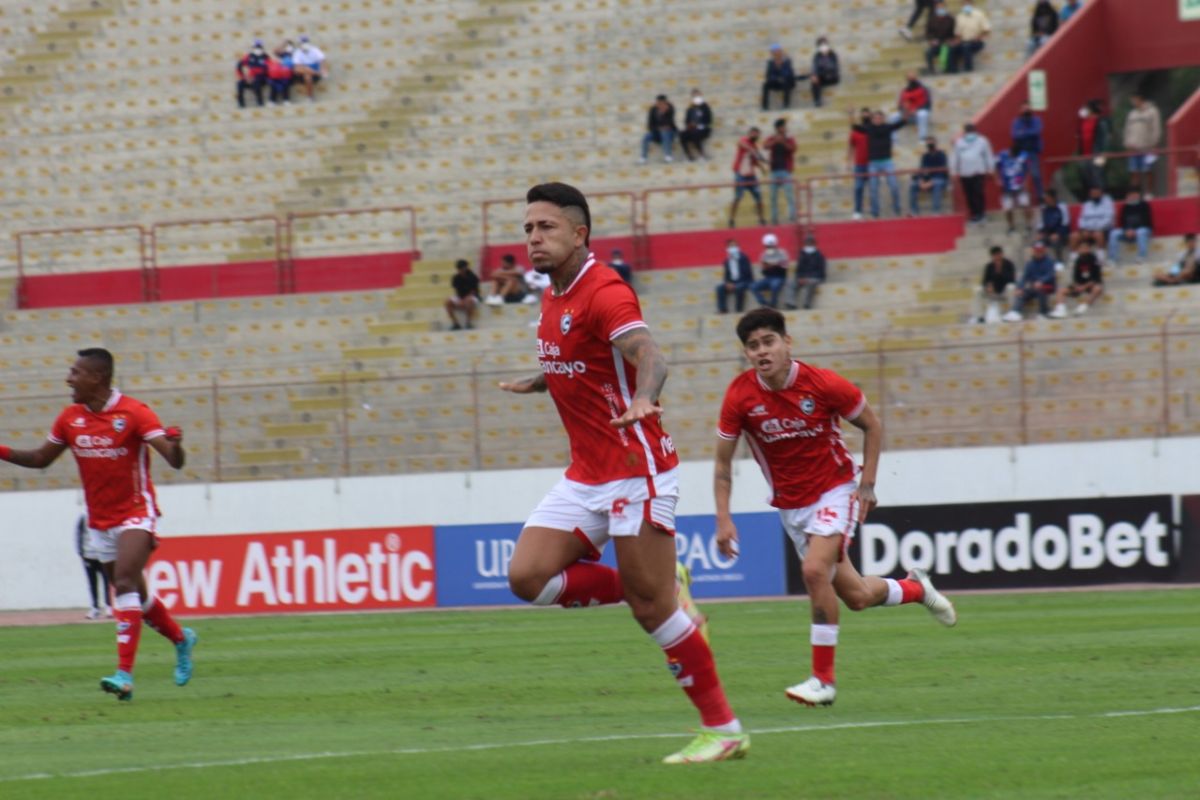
335,570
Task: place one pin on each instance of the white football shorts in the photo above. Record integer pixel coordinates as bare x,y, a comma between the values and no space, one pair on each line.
102,545
834,514
604,510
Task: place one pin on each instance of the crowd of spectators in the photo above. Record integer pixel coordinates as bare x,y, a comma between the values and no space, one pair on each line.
277,71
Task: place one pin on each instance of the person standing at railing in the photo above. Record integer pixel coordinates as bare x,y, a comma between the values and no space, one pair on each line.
1094,135
748,161
1027,139
973,162
879,157
781,149
1143,129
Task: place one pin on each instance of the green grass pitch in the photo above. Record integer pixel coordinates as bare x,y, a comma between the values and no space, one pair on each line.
1024,699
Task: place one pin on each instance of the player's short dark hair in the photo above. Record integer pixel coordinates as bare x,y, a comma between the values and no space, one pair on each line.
758,319
565,197
102,358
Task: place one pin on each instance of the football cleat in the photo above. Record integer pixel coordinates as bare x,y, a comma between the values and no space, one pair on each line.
683,593
183,657
813,692
941,608
120,683
711,746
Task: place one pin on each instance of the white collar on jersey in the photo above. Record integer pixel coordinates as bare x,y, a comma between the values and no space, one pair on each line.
113,399
591,259
791,379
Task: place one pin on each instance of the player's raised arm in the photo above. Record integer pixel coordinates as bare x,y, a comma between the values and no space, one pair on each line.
871,426
41,458
170,447
727,534
639,348
525,385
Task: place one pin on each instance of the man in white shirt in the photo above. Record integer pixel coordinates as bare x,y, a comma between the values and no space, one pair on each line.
1096,218
308,65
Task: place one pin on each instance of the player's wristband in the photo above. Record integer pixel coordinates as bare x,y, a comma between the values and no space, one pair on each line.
5,452
173,432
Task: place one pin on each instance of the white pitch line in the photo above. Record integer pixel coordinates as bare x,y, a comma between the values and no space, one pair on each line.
407,751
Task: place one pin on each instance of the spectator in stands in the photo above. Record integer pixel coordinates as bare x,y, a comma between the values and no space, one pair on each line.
1096,219
825,70
972,162
1012,173
916,104
1143,129
1038,282
939,37
748,161
1054,223
508,282
971,29
465,297
810,273
1087,284
996,289
308,66
932,178
1042,25
1068,10
279,73
252,73
697,127
660,128
773,265
618,262
737,277
1136,225
1027,139
858,157
879,154
537,283
919,7
780,77
1184,268
781,148
1094,134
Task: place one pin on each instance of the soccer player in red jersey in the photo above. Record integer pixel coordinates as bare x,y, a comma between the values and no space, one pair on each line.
604,372
789,412
110,436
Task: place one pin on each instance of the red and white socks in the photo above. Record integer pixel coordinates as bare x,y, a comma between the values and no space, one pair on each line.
157,617
824,642
903,591
584,583
130,612
691,662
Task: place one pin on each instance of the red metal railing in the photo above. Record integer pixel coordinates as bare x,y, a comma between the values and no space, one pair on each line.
289,226
1175,157
215,271
145,264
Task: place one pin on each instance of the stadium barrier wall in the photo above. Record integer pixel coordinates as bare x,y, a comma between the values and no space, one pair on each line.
455,530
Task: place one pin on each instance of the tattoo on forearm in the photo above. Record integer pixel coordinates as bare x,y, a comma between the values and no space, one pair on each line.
640,349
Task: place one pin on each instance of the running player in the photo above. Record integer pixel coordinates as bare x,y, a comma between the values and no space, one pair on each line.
604,373
108,433
789,412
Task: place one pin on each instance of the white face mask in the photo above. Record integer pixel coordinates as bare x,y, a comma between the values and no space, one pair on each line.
733,250
823,49
967,9
1084,113
810,249
699,101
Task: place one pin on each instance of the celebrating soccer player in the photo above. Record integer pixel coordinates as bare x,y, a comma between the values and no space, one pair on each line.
789,412
108,433
604,373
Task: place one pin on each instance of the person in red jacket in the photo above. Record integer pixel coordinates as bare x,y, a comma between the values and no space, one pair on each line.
916,104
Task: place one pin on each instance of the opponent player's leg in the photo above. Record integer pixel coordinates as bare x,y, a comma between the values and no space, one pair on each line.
647,566
156,615
133,548
552,566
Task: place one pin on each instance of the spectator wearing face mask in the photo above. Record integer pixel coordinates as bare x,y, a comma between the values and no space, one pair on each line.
939,37
825,70
737,276
308,64
252,73
1093,135
932,178
971,29
697,127
916,104
780,77
774,266
279,73
748,161
973,162
810,273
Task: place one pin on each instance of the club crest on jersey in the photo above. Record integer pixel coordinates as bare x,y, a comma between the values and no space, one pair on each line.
564,323
119,424
807,406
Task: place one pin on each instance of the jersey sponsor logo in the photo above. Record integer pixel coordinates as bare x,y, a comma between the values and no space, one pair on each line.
758,411
568,368
776,429
97,447
564,323
119,424
807,406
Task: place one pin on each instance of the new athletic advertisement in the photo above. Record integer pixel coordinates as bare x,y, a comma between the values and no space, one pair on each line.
1022,544
473,560
334,570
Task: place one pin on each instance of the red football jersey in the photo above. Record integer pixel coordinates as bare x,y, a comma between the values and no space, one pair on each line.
592,384
113,457
794,432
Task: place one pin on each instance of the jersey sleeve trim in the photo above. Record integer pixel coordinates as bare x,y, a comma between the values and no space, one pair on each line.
733,437
52,438
858,409
153,434
626,328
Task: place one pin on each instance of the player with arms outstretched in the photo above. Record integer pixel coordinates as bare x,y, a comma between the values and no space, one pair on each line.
604,372
789,412
110,435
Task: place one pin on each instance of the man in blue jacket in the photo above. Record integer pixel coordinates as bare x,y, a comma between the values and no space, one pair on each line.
736,280
1027,139
780,77
1040,281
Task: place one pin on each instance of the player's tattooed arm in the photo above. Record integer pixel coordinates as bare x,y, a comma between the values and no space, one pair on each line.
525,385
639,348
41,458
